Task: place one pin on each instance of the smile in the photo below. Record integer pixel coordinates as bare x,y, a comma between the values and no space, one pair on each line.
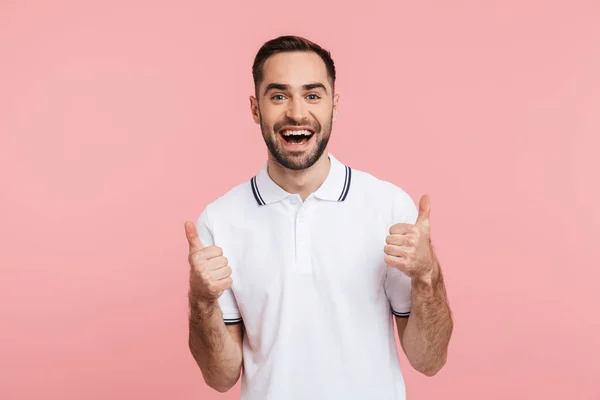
297,136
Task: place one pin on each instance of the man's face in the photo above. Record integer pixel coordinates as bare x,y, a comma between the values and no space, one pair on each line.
295,108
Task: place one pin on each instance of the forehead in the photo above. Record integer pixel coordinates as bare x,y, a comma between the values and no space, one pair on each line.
295,69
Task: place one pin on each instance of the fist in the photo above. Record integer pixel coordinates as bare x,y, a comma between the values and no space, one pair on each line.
209,269
408,246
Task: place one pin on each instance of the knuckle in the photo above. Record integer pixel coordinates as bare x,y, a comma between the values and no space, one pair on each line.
204,276
227,283
217,250
198,258
209,252
212,288
200,266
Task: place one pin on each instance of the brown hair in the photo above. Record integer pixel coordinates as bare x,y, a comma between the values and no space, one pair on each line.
289,44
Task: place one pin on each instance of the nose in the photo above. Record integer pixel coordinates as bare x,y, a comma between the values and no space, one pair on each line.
296,110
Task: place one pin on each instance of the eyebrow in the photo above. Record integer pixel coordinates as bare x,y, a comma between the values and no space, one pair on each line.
280,86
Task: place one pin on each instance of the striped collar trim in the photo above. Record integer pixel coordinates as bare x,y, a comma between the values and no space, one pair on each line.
256,193
335,187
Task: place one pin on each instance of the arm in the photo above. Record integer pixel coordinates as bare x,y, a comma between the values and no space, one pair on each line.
216,347
425,335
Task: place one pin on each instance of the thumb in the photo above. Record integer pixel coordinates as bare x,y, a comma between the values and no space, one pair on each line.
192,236
424,210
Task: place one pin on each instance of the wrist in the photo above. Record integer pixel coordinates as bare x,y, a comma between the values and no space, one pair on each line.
426,281
204,308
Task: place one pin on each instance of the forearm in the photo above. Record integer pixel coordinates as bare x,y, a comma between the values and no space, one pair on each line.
429,327
216,352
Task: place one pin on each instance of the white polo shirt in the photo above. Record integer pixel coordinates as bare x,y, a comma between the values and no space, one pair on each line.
311,286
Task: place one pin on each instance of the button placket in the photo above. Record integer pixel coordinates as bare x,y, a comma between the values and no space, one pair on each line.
302,240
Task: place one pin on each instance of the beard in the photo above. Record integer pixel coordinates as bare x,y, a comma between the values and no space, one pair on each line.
297,160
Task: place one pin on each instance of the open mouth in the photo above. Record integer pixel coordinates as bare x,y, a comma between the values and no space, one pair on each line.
297,136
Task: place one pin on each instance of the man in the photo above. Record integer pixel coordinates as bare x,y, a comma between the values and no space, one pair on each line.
298,274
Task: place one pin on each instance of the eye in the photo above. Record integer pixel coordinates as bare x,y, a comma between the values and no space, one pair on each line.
313,96
278,97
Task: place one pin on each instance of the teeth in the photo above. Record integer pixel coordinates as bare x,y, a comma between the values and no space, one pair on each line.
296,133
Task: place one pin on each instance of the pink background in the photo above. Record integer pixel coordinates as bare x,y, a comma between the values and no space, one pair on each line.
120,120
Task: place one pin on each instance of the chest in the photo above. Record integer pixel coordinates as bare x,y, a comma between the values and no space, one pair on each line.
308,251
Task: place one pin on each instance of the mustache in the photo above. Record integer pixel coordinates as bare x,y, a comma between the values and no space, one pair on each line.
314,125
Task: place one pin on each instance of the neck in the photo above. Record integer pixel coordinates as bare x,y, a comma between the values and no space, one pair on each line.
302,182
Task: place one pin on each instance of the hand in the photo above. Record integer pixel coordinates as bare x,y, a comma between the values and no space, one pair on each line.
209,269
409,246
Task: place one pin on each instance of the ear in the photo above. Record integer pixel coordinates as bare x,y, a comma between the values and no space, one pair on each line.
254,109
335,105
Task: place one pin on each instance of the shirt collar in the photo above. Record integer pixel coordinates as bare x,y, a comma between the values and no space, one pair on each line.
335,187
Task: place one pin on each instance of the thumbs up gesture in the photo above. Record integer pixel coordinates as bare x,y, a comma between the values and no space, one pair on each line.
408,246
209,269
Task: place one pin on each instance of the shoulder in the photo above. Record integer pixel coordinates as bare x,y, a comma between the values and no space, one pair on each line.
369,186
385,195
230,204
239,196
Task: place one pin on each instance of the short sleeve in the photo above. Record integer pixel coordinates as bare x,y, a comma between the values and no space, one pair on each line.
397,285
227,302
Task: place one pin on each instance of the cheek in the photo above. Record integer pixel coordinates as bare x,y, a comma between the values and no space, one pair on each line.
324,115
265,111
272,117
